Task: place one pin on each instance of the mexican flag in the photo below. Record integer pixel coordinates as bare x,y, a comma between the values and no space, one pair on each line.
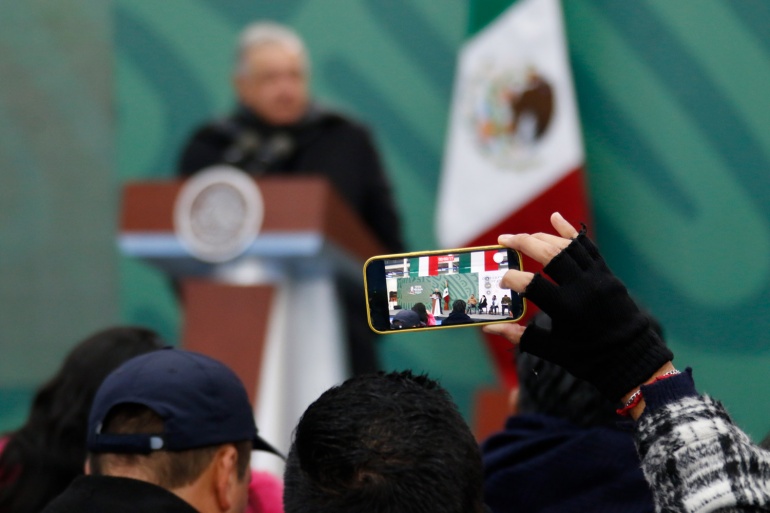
478,261
423,266
514,151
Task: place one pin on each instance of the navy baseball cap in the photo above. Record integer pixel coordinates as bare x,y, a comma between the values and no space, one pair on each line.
407,318
201,401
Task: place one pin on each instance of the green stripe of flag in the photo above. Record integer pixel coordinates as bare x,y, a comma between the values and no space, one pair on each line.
465,263
472,262
414,267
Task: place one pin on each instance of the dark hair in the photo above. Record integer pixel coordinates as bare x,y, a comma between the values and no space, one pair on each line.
422,312
383,443
166,469
458,306
48,452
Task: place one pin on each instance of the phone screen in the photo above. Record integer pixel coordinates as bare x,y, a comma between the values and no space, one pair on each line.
441,289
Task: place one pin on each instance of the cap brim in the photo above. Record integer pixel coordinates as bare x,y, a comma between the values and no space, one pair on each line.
260,445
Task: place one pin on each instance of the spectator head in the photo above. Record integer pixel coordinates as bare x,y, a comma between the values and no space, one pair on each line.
458,306
383,443
49,450
422,312
272,70
179,420
406,319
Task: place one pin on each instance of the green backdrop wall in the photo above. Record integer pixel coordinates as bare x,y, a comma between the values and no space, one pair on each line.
58,189
94,93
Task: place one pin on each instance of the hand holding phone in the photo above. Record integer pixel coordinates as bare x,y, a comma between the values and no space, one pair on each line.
441,289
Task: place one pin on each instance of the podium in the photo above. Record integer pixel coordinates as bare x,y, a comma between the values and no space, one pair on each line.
272,314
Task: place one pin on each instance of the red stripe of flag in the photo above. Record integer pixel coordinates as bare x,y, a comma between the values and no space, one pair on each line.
433,266
569,197
489,261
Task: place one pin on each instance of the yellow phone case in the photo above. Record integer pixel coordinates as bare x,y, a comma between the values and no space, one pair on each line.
415,254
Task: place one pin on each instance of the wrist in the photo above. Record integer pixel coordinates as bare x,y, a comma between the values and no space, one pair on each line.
636,411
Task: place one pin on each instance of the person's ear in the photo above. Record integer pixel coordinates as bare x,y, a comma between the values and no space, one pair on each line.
226,477
87,467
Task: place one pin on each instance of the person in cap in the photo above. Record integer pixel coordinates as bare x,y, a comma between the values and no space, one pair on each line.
39,460
168,431
405,319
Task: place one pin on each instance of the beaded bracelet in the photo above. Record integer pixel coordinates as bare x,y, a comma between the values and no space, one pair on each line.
636,397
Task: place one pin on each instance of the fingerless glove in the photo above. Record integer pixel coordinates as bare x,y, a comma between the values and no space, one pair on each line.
598,333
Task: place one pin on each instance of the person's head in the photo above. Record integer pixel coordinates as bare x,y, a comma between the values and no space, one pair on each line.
422,312
49,450
458,306
179,420
271,76
383,443
472,296
547,389
406,319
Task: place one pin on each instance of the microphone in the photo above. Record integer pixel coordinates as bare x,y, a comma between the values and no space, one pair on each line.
243,148
255,154
275,149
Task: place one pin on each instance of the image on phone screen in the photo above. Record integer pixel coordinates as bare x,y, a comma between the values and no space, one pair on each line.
440,289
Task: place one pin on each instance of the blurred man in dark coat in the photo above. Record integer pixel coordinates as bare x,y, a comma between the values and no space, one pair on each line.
276,129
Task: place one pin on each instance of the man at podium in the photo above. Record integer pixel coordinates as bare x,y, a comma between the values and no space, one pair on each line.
276,129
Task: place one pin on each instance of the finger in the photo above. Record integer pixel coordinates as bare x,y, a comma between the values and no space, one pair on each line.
535,248
562,226
508,330
553,239
535,341
503,239
544,294
516,280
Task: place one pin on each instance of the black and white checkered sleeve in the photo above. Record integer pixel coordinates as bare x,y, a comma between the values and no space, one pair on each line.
696,459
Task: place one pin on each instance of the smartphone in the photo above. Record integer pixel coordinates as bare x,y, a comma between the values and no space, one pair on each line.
441,289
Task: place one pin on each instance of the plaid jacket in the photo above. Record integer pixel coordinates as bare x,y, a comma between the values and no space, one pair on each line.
693,455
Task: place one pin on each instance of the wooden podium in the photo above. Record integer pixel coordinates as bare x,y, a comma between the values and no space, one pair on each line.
272,314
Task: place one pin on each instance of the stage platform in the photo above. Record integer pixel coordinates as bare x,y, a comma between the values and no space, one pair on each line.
475,317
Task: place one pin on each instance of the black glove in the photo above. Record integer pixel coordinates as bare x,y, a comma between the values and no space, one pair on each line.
598,333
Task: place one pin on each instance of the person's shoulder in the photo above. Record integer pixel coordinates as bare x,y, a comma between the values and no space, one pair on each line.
116,494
